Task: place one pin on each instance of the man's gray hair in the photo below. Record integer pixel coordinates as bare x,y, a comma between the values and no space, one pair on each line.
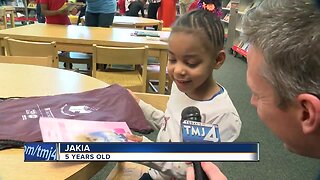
288,33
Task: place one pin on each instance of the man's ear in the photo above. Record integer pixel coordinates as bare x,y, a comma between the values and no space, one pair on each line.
310,118
220,59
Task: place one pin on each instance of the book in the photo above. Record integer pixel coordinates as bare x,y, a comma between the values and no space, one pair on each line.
228,5
226,17
245,46
146,33
66,130
70,6
32,5
239,43
250,6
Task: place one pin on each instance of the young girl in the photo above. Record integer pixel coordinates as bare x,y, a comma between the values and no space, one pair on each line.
195,50
54,15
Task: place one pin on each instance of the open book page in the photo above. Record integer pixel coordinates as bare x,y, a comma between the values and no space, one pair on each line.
70,6
66,130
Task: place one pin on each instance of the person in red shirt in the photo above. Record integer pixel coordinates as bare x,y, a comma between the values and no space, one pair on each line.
50,9
167,12
122,7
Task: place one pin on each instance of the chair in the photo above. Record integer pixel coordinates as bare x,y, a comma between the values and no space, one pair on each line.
4,10
70,58
39,61
160,26
154,71
128,170
132,80
15,47
158,101
167,29
153,77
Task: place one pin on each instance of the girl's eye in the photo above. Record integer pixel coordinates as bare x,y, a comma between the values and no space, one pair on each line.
191,65
171,60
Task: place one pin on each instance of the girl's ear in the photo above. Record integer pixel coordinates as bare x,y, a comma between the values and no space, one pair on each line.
220,59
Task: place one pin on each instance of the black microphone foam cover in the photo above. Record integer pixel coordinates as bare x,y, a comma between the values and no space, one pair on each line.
191,113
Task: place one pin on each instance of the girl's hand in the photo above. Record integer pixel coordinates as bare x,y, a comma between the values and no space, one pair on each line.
134,96
63,12
74,11
133,138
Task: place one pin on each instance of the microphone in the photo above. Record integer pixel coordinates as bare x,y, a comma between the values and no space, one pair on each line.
191,113
194,131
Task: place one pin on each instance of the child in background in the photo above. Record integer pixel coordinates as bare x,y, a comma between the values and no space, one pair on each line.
51,10
167,12
195,50
134,7
122,7
40,16
82,10
153,8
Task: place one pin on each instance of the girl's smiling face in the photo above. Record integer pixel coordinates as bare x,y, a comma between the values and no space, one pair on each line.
190,64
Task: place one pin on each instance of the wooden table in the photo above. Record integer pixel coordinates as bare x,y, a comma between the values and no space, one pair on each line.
81,38
135,22
28,80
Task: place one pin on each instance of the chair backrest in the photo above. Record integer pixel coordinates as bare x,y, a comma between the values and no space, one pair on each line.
158,101
29,48
39,61
160,26
121,55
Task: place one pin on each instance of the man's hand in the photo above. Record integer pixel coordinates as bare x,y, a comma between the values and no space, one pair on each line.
212,171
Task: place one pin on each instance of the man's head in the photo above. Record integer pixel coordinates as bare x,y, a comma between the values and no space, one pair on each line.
284,70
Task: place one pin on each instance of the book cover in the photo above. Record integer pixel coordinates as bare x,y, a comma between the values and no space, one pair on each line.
245,46
228,5
66,130
70,6
147,33
241,43
226,17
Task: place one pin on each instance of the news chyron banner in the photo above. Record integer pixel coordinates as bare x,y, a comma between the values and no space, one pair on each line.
141,151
